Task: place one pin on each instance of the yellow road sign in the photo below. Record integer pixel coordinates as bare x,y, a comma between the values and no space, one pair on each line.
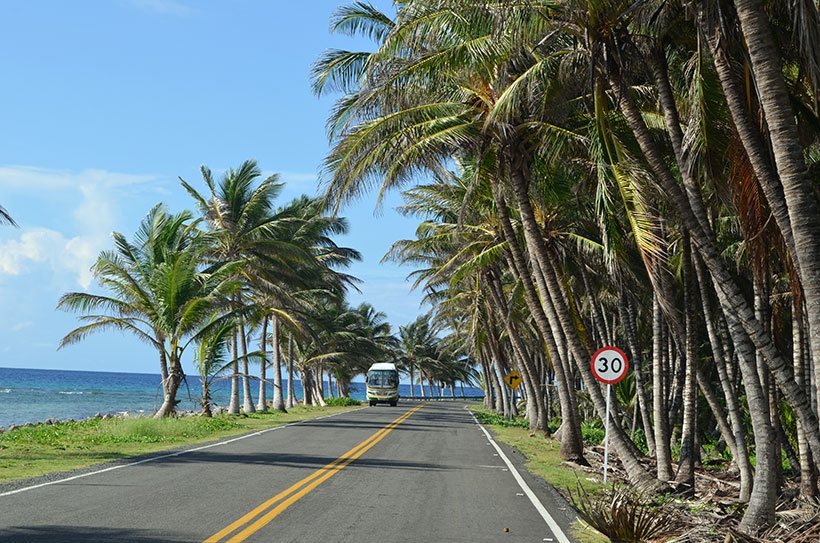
513,379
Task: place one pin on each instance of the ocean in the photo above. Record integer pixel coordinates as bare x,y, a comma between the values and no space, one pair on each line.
28,395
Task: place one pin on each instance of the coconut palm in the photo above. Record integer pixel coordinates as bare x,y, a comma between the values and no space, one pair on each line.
161,289
593,202
243,226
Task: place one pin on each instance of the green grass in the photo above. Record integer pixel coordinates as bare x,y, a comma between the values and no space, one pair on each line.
343,401
543,454
544,460
41,449
584,533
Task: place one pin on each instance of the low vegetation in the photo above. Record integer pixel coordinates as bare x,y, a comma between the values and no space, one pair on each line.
31,451
543,455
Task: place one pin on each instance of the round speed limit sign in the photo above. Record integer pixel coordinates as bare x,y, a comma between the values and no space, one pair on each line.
609,365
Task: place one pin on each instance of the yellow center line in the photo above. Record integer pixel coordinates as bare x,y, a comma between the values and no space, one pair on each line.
321,474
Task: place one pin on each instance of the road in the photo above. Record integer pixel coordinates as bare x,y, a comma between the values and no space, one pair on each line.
407,473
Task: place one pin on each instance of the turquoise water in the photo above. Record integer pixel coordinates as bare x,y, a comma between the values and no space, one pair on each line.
28,395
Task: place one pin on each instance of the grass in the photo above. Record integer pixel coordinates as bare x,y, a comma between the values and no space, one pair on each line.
342,401
543,454
544,460
37,450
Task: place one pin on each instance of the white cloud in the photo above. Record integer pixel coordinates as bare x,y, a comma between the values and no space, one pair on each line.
95,214
298,177
22,326
46,247
31,178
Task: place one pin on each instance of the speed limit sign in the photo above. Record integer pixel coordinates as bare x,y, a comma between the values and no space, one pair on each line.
609,365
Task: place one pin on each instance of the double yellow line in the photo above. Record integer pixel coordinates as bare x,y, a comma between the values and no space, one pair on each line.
262,515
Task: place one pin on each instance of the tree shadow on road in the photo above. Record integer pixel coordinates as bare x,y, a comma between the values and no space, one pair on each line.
87,534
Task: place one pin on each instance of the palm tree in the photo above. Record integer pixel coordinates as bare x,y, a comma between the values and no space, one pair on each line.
417,341
239,214
160,289
211,359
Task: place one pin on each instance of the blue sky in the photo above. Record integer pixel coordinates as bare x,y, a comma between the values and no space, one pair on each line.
104,103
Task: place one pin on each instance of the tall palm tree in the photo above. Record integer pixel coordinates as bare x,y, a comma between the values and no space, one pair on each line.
238,211
161,289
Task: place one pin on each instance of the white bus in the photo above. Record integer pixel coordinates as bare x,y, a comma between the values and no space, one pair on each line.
383,384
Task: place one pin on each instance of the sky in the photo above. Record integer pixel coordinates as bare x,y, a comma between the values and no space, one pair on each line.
105,103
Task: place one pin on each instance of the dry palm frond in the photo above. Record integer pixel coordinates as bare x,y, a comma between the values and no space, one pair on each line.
624,515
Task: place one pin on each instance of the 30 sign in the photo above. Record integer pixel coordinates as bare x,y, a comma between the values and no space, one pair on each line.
609,365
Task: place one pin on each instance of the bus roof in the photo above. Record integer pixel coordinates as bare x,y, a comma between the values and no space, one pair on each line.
382,366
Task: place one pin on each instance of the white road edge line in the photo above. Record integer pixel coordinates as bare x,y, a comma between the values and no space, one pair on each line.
171,455
553,526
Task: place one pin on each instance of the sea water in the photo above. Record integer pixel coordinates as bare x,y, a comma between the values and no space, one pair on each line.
29,395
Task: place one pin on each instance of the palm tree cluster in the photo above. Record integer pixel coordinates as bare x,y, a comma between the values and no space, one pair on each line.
241,272
426,356
600,172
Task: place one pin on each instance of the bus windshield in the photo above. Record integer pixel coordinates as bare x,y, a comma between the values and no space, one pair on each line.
383,378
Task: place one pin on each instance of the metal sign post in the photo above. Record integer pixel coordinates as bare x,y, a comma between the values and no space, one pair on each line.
513,380
609,365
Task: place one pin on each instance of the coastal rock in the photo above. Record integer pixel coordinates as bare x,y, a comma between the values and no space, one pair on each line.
12,427
50,422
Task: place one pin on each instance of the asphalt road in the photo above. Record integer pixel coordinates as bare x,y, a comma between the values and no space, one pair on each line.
432,475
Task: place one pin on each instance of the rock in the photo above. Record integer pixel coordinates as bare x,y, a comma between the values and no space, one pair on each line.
50,422
99,416
12,427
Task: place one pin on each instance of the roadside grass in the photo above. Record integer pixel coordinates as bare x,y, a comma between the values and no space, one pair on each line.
31,451
543,454
544,460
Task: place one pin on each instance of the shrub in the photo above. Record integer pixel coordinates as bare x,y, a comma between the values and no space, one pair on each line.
490,417
592,433
623,515
344,401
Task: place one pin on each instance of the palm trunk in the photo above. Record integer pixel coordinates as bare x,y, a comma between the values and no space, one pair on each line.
808,475
636,359
719,354
291,373
662,448
685,478
169,402
262,399
760,512
206,400
278,400
572,447
163,362
233,405
412,389
247,399
537,249
798,189
525,366
307,387
729,293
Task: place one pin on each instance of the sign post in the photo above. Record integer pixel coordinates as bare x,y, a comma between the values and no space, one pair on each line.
609,365
513,380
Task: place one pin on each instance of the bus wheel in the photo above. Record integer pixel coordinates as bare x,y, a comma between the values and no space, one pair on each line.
394,403
372,403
